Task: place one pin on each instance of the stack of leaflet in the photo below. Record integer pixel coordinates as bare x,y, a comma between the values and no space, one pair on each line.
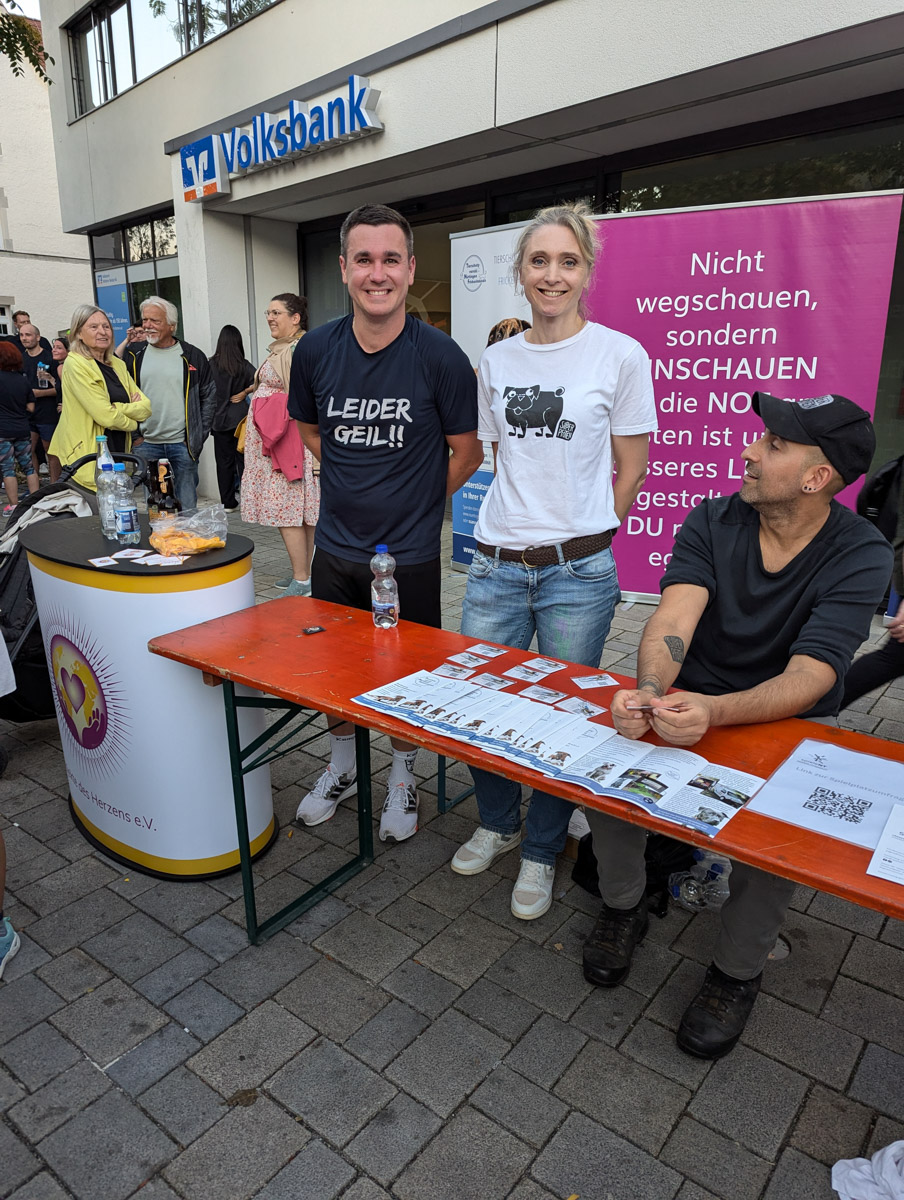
564,742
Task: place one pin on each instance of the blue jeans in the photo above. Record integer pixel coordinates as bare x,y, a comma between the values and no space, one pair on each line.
185,469
569,606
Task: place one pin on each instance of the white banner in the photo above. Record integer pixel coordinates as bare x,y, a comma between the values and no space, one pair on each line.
483,288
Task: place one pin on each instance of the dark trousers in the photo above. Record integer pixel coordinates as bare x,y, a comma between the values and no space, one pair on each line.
873,670
229,464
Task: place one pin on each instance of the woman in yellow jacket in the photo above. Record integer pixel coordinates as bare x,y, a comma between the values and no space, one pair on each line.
100,395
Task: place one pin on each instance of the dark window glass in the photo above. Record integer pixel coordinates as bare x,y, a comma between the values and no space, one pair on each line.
831,164
327,294
108,250
521,206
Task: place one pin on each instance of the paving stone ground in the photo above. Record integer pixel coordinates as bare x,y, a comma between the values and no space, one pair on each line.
408,1037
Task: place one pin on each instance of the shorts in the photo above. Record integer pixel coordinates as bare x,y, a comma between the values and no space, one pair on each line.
46,431
344,582
19,452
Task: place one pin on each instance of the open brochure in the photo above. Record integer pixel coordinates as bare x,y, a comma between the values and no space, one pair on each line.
564,742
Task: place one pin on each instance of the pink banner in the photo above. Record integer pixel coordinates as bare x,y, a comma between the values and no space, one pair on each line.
786,298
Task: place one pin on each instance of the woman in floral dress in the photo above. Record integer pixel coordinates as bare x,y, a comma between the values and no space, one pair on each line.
268,497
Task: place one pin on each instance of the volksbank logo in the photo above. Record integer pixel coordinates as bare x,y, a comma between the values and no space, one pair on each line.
208,164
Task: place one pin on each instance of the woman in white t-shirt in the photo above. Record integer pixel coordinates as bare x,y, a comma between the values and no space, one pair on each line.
563,404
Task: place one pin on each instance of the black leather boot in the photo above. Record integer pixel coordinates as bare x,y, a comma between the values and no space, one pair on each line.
717,1015
608,949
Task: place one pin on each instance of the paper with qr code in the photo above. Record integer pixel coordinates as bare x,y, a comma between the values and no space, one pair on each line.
831,790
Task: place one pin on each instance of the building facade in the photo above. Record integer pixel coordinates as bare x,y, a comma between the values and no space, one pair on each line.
42,269
211,150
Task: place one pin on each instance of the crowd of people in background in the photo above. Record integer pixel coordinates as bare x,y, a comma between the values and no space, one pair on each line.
157,396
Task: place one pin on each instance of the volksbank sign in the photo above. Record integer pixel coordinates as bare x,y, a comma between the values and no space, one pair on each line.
209,163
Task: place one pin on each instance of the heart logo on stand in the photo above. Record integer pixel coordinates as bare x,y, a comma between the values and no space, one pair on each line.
74,689
79,695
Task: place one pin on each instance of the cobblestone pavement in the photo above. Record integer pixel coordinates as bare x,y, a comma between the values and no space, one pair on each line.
408,1037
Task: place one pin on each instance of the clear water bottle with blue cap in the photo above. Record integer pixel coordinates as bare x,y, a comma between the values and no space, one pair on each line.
384,591
705,885
105,487
128,531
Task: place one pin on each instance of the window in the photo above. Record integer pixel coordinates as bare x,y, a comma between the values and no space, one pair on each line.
120,42
134,262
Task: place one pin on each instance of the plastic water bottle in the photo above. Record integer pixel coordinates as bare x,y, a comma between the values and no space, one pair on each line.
105,487
128,531
705,885
103,456
44,377
384,591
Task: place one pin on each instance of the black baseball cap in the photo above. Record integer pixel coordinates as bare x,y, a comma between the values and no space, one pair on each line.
840,428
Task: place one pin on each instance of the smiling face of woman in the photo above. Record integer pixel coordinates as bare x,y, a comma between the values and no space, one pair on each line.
59,351
97,334
280,321
554,275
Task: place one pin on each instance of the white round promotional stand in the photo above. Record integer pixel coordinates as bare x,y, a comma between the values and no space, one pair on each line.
144,739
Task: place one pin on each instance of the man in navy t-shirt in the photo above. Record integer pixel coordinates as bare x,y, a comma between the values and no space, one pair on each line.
388,405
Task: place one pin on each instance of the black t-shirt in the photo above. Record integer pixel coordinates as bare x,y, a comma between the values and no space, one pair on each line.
383,420
116,438
45,409
227,414
820,604
14,395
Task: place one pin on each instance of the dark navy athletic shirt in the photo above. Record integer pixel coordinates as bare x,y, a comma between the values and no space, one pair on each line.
820,604
383,420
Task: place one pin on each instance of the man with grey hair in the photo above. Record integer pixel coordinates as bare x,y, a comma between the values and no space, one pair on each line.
176,378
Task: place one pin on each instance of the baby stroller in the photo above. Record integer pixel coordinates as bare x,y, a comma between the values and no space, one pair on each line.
33,698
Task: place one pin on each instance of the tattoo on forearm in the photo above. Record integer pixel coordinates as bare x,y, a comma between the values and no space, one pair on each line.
650,683
676,648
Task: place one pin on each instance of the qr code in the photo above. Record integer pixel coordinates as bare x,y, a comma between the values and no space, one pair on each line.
834,804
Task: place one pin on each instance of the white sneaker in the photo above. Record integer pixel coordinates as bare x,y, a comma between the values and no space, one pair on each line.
399,819
532,893
325,796
483,848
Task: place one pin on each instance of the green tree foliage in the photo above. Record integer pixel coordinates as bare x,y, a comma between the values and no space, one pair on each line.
20,43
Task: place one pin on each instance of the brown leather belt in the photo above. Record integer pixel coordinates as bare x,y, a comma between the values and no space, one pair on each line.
547,556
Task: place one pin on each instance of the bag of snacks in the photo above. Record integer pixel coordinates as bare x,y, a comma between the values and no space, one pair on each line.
193,534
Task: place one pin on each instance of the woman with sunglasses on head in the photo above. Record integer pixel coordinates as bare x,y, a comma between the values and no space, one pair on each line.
563,403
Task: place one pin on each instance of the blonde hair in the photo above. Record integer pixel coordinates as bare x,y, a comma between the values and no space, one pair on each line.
84,313
577,218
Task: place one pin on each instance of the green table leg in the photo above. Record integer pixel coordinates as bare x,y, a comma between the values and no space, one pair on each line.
442,803
256,753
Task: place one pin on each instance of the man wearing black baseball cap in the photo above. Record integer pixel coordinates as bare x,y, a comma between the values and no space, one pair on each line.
768,594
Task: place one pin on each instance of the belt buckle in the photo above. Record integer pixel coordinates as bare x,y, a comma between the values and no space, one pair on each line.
524,562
